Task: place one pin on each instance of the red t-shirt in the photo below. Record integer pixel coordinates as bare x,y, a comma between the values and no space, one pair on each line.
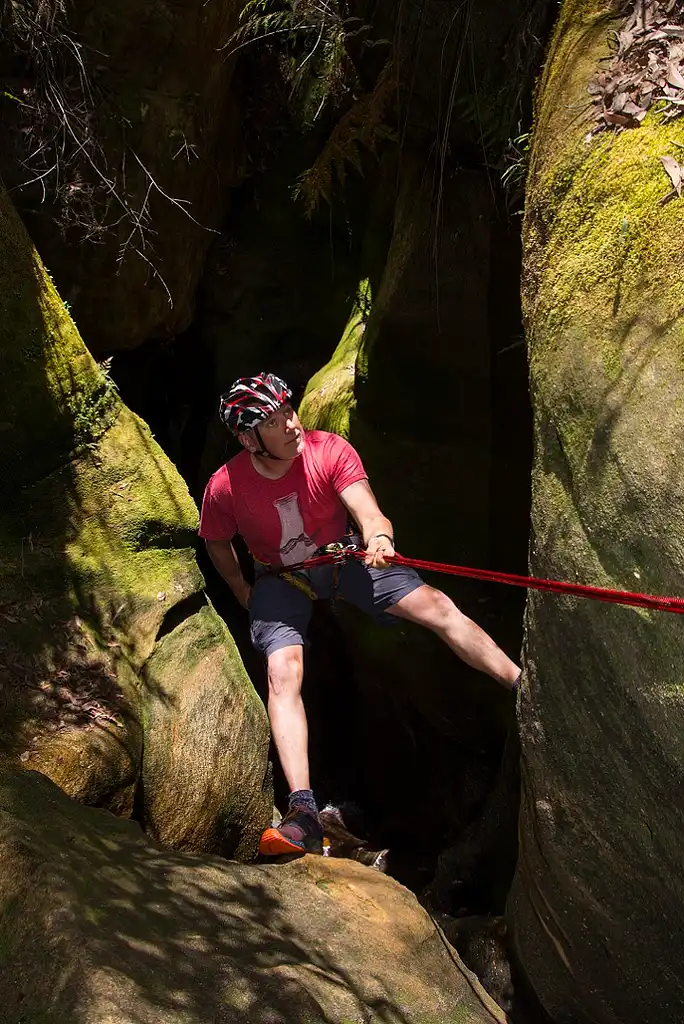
283,521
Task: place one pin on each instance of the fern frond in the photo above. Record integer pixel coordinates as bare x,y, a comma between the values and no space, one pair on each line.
363,125
256,8
261,27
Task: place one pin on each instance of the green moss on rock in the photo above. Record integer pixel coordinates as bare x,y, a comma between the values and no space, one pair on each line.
97,532
52,389
602,720
329,397
205,766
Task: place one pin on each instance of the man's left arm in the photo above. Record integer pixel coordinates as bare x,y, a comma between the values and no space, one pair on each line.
376,529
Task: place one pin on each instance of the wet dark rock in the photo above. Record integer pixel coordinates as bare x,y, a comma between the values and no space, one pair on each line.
343,843
481,943
124,223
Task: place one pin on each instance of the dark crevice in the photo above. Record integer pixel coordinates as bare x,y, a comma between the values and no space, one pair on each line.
180,612
275,294
155,534
458,858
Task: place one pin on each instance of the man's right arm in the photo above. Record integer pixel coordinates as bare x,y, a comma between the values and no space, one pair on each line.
224,558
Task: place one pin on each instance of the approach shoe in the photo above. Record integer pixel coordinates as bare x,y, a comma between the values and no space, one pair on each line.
299,832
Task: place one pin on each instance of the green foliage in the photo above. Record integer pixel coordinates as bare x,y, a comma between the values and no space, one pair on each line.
92,412
261,18
365,124
517,159
312,37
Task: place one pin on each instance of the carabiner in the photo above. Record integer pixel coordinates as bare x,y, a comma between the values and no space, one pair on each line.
338,550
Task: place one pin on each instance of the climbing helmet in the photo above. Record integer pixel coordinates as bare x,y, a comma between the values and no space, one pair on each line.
251,400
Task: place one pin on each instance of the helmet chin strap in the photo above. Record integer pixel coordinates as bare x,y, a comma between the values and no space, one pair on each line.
264,450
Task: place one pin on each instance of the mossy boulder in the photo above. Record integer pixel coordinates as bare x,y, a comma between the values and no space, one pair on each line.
97,563
329,400
101,924
598,897
204,774
165,149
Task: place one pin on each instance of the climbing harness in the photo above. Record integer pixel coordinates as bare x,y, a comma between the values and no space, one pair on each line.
334,554
339,552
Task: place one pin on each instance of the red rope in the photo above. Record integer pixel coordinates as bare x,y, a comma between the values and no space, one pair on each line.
653,601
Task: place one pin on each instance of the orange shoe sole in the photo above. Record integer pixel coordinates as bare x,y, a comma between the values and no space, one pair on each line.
273,844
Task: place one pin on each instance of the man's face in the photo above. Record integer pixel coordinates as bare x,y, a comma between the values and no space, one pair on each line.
282,433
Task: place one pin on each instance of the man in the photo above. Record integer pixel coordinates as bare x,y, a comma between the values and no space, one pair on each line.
289,493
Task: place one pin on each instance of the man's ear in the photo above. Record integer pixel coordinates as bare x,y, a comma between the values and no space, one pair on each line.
247,440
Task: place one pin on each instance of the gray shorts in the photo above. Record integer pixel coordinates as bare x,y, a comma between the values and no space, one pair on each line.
279,612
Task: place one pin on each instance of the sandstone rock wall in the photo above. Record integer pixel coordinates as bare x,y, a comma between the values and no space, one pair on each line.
104,623
100,924
596,904
164,151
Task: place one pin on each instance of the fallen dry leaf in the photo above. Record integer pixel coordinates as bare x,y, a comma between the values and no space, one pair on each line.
635,111
674,76
620,120
674,172
619,102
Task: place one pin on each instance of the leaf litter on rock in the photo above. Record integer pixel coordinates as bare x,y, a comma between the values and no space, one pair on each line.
646,67
83,695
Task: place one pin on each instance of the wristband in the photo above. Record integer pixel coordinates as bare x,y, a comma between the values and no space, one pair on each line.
385,535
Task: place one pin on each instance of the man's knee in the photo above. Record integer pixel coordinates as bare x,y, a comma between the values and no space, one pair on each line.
285,671
440,609
428,606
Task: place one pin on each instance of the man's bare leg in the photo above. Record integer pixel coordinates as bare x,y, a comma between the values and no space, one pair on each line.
300,830
287,715
432,608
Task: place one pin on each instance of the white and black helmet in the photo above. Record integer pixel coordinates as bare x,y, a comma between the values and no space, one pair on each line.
251,400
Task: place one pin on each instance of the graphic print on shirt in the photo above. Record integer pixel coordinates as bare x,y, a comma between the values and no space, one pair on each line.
295,543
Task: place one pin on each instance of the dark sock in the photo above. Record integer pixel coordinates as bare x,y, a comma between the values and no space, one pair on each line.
304,798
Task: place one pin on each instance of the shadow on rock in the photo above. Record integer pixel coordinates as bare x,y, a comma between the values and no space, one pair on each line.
99,923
